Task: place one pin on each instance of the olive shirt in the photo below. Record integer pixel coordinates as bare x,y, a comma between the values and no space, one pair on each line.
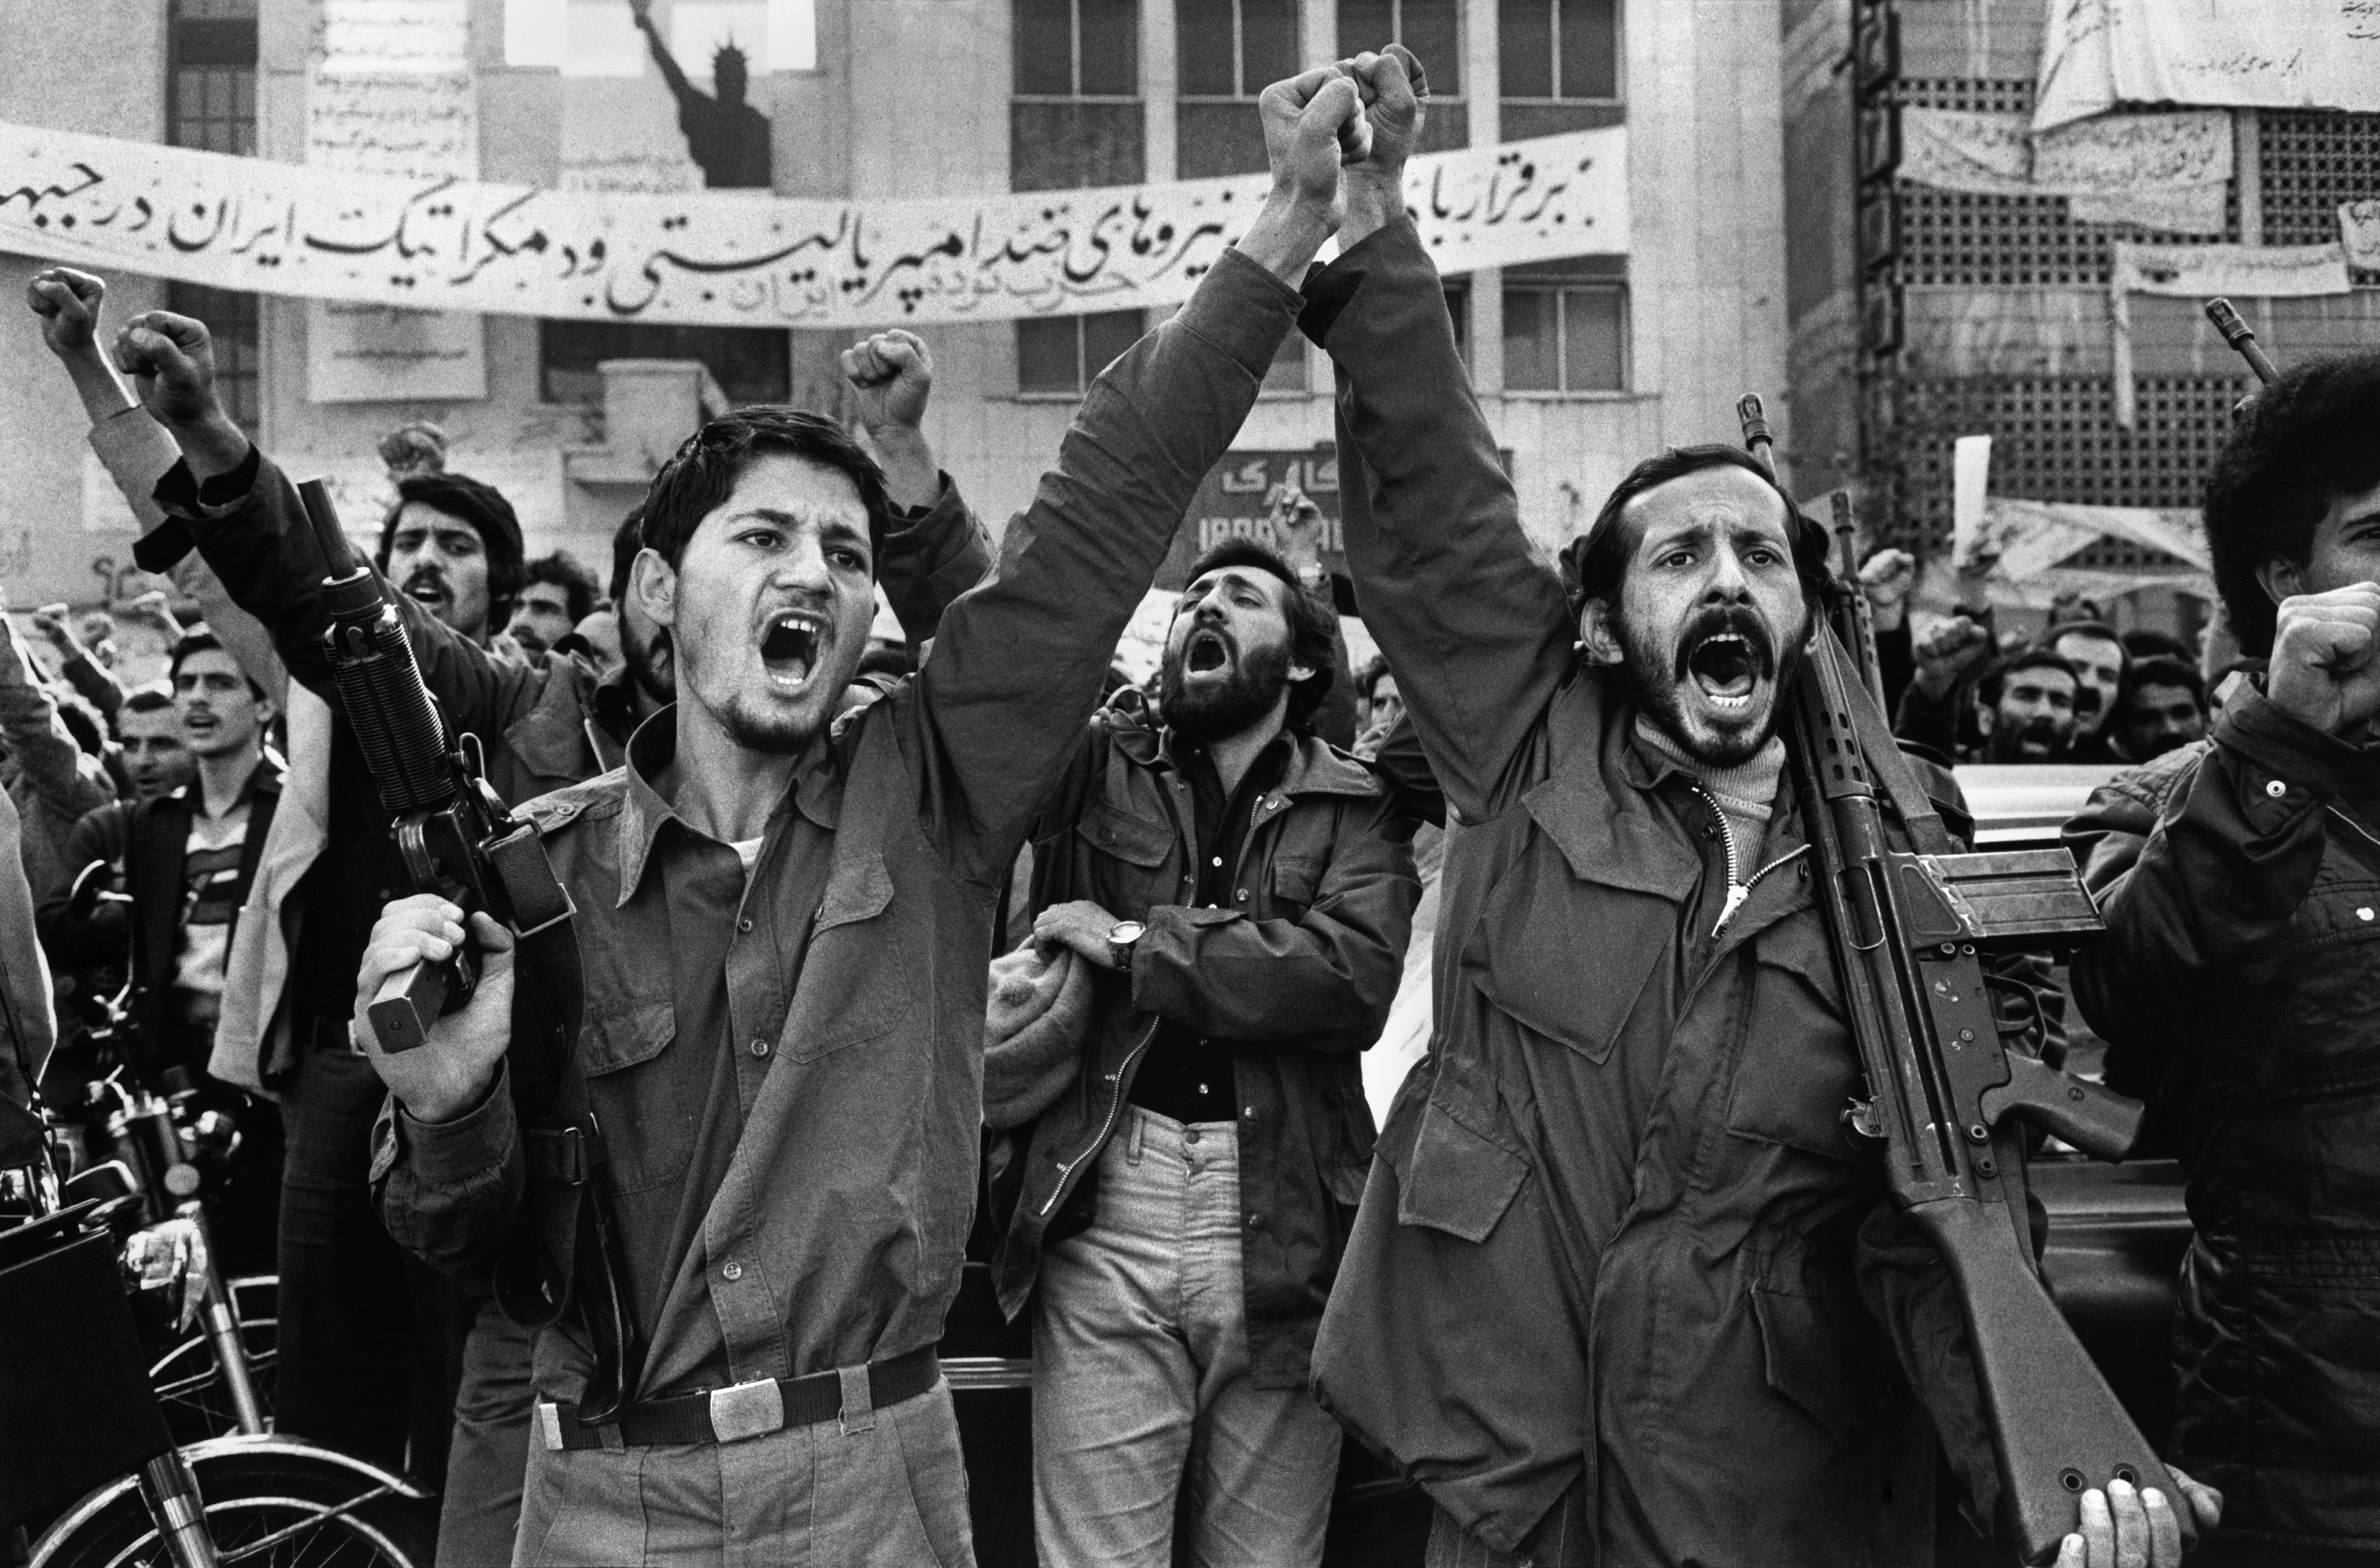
835,1236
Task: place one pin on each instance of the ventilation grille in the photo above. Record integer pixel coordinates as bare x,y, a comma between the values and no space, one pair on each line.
2310,162
2055,438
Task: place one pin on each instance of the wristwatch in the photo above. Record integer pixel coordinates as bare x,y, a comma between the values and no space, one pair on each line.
1121,936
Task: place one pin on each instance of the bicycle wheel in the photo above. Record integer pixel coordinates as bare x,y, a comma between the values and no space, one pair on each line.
189,1382
270,1502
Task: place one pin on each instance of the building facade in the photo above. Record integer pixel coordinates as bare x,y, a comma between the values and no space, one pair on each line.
1584,366
1920,315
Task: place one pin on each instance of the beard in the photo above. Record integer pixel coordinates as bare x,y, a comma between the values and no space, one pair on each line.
1209,712
645,659
771,734
1659,675
2035,740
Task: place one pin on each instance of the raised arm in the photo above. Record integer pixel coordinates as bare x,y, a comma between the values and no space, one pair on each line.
67,781
1476,628
940,550
246,519
1000,706
679,87
137,453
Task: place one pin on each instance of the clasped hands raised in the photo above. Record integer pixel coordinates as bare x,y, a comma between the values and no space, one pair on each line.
1337,137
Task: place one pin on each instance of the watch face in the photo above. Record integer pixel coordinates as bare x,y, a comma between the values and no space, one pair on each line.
1126,931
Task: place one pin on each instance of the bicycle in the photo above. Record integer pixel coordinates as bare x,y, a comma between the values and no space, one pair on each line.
86,1450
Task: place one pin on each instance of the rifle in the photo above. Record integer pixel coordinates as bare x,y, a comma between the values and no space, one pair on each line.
1910,930
460,841
454,830
1856,617
2242,340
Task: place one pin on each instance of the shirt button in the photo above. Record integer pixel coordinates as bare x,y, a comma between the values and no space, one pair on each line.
744,924
2364,913
759,1048
1255,1221
1191,1136
1218,860
733,1271
2277,789
1244,895
1250,1114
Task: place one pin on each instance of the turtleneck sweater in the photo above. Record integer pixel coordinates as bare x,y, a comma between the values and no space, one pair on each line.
1746,793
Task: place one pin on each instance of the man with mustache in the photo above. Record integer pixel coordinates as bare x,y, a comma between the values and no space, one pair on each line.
2027,708
1241,892
782,922
2101,665
1625,1287
366,1328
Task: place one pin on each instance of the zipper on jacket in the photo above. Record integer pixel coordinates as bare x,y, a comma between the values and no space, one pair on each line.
1115,1107
1737,891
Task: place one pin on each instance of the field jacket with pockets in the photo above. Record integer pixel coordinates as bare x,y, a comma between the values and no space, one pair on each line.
1297,974
1617,1237
2238,986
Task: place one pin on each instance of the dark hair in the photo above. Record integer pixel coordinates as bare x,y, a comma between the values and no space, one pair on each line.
205,641
484,507
1368,678
577,584
1592,564
2303,442
146,699
627,542
1313,628
702,475
2161,669
83,721
2142,643
2036,658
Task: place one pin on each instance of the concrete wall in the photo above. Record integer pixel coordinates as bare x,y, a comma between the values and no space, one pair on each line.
912,99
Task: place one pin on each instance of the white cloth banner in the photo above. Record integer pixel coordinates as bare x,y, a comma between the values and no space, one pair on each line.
2359,229
2274,55
2203,272
2162,171
392,93
731,260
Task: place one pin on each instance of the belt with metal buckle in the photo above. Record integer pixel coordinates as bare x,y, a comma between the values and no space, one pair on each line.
750,1410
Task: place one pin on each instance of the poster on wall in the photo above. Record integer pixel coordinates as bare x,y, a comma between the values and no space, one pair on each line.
390,91
2273,54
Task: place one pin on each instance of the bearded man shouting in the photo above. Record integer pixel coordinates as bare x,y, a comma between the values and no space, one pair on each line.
1242,891
1623,1289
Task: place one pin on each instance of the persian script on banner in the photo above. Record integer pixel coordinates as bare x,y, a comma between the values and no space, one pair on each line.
451,244
2273,54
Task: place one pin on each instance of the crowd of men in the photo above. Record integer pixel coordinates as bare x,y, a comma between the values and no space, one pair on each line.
864,936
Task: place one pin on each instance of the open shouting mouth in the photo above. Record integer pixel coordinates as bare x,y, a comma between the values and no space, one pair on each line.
790,648
1208,652
1725,656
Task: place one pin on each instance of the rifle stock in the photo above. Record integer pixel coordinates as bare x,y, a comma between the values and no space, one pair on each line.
2057,1427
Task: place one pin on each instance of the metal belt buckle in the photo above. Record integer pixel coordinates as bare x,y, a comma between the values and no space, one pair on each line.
746,1410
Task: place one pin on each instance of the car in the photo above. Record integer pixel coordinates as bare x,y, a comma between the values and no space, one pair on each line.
2116,1235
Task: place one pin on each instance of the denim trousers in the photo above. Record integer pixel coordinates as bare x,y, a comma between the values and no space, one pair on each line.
1142,1405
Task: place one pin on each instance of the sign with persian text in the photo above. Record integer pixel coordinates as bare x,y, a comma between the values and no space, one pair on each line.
726,258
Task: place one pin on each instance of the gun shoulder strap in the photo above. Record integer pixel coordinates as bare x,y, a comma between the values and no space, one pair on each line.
567,1250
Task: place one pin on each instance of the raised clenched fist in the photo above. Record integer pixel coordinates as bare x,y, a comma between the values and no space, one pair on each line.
2325,665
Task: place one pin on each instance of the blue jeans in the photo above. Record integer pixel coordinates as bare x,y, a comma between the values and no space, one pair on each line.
1141,1394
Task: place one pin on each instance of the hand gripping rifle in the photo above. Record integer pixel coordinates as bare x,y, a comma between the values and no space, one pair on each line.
460,841
1909,929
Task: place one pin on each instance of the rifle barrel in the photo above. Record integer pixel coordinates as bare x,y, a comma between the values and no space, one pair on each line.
2242,339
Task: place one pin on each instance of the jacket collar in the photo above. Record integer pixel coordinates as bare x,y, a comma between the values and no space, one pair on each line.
816,793
1315,766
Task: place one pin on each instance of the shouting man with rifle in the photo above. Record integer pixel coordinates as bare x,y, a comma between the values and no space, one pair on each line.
1682,1208
732,1155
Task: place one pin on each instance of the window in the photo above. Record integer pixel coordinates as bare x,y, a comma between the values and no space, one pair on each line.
210,104
1064,354
1076,119
1565,329
1558,48
1458,305
1228,51
750,363
1433,31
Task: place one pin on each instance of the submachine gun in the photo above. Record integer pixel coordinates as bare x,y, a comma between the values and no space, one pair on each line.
1910,930
460,841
